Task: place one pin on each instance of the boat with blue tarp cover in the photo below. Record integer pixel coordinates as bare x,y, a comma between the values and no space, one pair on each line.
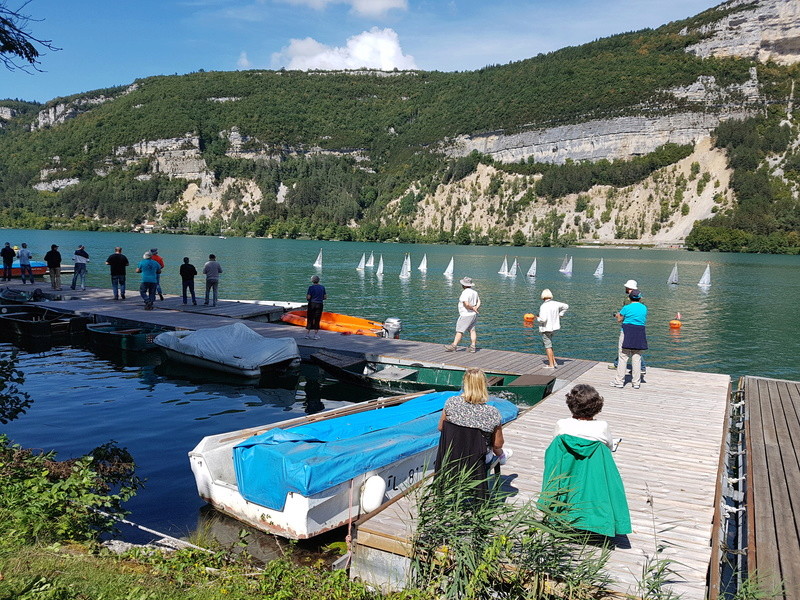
303,477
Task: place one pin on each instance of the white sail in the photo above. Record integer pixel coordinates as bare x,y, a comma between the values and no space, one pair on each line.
567,269
532,270
598,272
405,271
564,263
423,264
504,267
705,280
371,260
448,272
318,262
379,271
512,272
362,262
673,276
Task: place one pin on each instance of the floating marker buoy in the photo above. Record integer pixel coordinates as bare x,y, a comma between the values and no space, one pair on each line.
529,317
675,324
372,493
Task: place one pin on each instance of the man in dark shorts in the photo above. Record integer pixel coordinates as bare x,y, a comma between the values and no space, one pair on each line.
316,295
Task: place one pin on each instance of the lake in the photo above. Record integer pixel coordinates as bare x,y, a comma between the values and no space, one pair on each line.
747,322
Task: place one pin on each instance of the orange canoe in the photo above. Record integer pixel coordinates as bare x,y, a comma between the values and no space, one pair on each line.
336,322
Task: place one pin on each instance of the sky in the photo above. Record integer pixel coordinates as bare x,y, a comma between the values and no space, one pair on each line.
106,43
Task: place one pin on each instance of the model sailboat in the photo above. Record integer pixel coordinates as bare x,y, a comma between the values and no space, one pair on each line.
448,272
405,271
705,280
566,268
379,271
673,276
423,264
512,272
371,260
318,262
362,263
532,270
598,272
504,267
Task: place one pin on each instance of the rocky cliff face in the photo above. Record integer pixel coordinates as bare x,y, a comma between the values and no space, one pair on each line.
763,30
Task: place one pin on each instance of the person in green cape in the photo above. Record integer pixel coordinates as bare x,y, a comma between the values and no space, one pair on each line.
582,487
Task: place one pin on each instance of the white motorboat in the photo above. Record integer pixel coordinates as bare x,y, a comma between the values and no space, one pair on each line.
234,349
302,477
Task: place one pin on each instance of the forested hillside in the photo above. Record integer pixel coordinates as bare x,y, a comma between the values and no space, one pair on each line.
353,155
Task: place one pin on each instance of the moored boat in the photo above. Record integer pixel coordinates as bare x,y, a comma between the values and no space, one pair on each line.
305,476
42,323
37,268
346,324
403,379
234,349
124,337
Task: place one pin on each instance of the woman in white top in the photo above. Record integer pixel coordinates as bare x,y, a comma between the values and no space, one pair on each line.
549,319
585,403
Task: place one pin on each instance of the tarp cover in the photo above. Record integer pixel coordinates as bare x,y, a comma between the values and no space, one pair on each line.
312,458
236,345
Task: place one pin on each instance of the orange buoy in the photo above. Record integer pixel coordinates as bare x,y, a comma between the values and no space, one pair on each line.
675,324
529,317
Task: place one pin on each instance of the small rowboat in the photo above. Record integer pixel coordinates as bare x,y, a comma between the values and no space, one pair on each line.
339,323
302,477
42,323
405,379
37,268
123,337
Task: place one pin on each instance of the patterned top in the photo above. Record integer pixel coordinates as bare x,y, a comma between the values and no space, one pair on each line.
480,416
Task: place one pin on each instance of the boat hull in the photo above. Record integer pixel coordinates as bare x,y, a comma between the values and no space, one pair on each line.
41,324
135,339
37,268
338,323
203,363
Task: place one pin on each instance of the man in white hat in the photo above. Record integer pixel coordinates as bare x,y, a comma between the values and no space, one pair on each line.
468,304
549,319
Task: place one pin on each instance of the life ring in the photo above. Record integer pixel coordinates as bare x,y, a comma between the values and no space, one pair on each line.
675,324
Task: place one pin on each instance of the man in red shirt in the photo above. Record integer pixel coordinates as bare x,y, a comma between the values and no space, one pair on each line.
154,256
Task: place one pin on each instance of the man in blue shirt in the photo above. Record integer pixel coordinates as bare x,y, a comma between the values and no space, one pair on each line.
633,317
150,271
315,296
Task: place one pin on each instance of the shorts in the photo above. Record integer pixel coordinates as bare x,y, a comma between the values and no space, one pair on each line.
466,323
313,315
547,339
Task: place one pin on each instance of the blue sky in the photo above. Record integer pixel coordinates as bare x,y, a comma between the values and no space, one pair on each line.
106,43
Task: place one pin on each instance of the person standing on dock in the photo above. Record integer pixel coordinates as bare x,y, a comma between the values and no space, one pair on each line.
630,285
188,273
315,296
468,304
53,260
117,263
25,256
81,259
154,255
550,313
211,270
150,270
8,255
633,317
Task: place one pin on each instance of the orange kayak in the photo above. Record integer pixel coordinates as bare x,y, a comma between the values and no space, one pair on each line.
336,322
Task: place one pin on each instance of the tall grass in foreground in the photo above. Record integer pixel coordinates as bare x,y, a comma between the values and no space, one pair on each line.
469,549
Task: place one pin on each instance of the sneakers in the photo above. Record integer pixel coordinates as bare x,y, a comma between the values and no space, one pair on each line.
617,385
449,348
161,297
123,296
316,337
636,386
472,349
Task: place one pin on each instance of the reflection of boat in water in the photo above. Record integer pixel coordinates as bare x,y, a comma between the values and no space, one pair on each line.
234,349
126,358
124,337
347,324
404,379
302,477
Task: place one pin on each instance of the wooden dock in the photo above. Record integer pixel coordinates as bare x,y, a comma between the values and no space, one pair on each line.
672,430
772,434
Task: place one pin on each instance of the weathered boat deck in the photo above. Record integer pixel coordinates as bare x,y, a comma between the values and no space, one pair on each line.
772,434
672,429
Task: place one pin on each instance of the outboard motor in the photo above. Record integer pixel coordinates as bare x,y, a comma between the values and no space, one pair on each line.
392,327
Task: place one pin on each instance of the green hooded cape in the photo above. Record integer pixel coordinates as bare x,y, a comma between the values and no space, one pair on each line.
582,486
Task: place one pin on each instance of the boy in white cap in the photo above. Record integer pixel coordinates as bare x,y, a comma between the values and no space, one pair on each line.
468,304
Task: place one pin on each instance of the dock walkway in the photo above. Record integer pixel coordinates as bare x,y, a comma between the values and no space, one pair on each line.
672,431
772,434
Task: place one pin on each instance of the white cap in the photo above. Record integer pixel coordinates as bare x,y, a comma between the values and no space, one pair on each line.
631,284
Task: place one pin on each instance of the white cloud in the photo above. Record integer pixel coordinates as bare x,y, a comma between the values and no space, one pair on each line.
363,8
243,62
373,49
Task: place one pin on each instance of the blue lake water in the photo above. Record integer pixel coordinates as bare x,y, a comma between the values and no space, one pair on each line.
747,322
